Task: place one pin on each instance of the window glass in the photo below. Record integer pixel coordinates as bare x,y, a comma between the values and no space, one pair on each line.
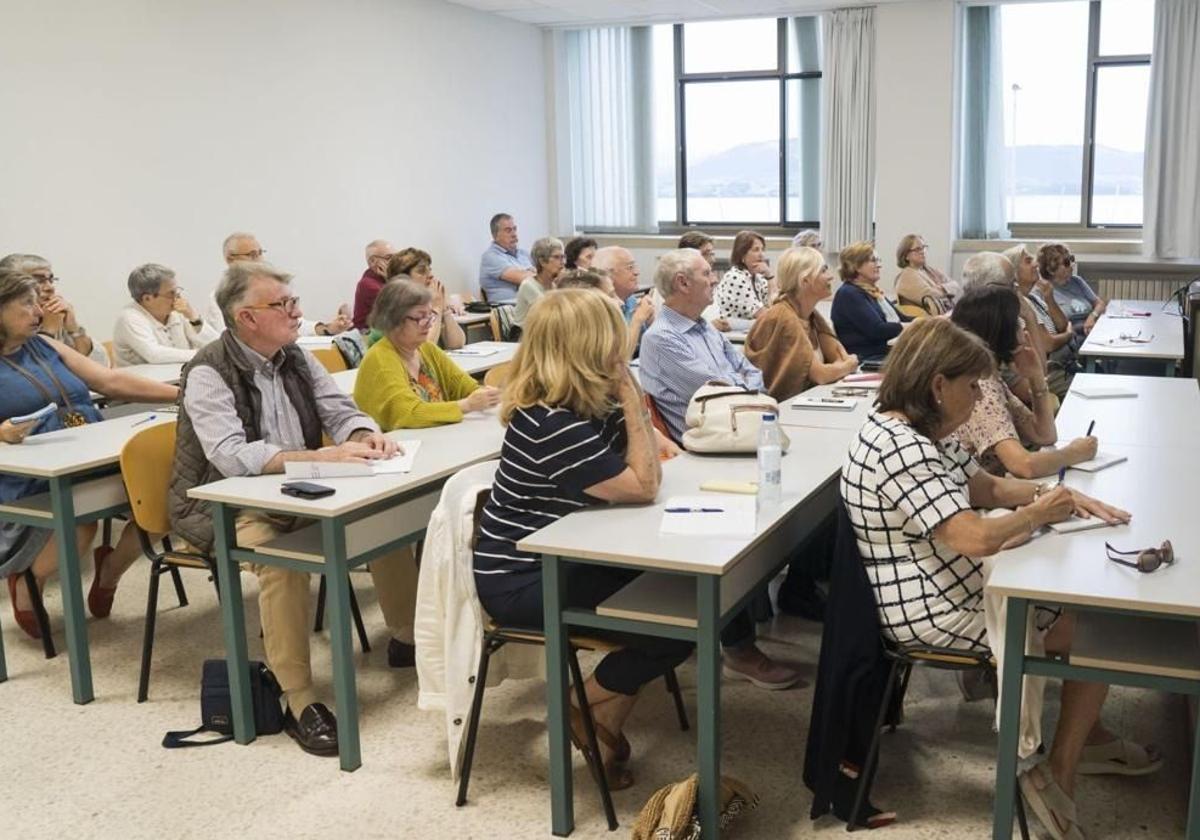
1121,97
729,46
1126,27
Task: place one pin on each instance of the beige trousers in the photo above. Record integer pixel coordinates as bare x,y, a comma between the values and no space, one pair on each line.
284,597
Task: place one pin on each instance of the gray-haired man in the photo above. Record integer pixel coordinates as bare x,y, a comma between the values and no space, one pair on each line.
160,326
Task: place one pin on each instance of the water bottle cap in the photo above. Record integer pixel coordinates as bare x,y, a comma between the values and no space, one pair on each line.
768,416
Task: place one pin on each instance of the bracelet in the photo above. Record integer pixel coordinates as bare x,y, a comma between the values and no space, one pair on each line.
199,322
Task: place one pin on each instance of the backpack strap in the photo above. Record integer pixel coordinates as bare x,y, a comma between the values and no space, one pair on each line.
178,739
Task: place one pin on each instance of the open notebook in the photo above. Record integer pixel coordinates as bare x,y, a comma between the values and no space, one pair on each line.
333,469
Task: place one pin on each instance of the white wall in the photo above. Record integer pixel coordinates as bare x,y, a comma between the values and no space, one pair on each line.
145,132
914,129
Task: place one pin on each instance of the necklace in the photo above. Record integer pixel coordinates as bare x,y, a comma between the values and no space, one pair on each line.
66,412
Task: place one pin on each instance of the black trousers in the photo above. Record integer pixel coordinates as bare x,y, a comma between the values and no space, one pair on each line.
641,659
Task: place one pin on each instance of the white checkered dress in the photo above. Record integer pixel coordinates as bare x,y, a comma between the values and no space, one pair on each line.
898,486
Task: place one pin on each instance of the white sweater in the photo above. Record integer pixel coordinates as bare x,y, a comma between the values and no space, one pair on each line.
141,339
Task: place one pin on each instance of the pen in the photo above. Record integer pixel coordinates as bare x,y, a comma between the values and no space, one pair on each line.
695,510
1062,473
1091,426
146,419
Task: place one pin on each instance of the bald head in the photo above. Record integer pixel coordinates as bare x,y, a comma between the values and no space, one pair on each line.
241,247
379,251
621,266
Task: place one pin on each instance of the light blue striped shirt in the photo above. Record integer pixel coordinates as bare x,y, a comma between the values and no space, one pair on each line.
679,355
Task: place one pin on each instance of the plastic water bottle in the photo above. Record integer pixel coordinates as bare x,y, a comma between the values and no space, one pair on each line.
770,456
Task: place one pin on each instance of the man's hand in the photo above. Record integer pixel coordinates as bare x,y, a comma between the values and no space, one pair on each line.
376,442
184,308
643,313
339,323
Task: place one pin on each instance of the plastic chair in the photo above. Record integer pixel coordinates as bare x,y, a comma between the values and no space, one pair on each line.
498,376
912,310
331,359
111,353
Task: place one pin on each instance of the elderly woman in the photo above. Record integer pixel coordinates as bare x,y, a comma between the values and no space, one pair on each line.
548,258
37,370
416,265
1082,306
405,381
578,431
807,238
580,251
1001,426
58,315
864,318
791,344
912,503
160,326
745,289
1053,329
918,283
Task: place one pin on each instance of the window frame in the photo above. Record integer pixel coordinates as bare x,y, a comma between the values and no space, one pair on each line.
681,223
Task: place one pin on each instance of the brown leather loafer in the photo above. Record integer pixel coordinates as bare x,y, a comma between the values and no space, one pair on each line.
315,731
100,598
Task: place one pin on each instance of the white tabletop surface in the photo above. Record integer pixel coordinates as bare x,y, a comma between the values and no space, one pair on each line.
315,341
1165,413
816,418
505,350
168,373
1155,485
444,451
1164,328
630,533
74,450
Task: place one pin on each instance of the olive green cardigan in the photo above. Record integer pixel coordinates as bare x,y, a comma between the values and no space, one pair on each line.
384,391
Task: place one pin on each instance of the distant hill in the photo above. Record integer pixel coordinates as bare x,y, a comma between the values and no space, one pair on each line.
752,169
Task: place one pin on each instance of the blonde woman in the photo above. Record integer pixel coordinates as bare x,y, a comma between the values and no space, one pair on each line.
791,344
918,283
579,435
864,318
548,260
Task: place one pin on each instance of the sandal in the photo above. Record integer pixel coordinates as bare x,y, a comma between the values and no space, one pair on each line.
1121,758
26,619
622,752
618,776
1054,809
100,598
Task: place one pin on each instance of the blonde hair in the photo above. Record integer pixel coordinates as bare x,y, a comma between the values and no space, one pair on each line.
570,355
795,265
852,258
909,242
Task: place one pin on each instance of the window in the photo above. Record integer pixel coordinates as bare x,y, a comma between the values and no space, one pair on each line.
1075,86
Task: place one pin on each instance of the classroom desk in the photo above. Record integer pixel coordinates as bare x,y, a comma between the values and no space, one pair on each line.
80,466
474,321
1165,412
1164,328
1131,641
817,418
474,365
706,581
366,517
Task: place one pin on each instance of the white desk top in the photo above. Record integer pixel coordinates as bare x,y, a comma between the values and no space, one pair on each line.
168,373
444,451
1155,485
505,350
1165,413
630,534
817,418
1165,328
75,450
468,318
310,342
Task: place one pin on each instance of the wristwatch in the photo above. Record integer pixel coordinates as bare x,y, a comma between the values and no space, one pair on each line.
198,323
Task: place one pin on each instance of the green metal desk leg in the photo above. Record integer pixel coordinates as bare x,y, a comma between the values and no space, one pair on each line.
708,704
562,803
1091,364
233,620
1171,368
345,692
62,503
1010,718
1193,821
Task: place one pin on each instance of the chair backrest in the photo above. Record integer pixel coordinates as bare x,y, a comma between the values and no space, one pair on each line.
111,353
912,310
498,376
146,462
656,419
331,358
494,323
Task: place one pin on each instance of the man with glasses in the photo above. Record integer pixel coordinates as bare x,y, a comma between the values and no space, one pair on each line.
371,283
252,401
160,326
244,247
58,315
623,270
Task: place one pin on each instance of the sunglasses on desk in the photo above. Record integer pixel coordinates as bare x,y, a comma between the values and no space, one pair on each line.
1145,559
850,391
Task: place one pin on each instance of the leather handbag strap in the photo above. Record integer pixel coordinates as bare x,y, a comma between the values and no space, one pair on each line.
757,408
178,739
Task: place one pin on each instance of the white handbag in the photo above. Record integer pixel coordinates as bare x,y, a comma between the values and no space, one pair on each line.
725,419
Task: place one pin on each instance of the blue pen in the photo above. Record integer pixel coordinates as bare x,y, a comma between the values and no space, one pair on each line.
1091,426
695,510
146,419
1062,473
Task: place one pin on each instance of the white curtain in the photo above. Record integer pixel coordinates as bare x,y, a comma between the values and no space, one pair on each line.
1171,227
609,97
983,159
848,193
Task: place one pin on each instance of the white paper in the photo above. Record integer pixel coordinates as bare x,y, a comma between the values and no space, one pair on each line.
338,469
826,403
729,516
1077,523
1100,462
1098,392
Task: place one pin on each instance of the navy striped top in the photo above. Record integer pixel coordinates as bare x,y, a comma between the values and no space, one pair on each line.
549,457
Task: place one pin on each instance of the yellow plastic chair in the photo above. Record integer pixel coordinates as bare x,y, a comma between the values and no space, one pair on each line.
498,376
911,310
111,353
331,359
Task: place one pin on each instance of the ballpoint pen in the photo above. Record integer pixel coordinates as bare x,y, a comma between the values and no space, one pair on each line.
1062,473
694,510
146,419
1091,426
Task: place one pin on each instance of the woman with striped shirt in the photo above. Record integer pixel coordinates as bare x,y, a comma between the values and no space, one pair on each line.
578,435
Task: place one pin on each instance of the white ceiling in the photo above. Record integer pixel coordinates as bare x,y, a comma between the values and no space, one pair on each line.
596,12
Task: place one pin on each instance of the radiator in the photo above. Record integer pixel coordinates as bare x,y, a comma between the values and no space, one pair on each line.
1138,288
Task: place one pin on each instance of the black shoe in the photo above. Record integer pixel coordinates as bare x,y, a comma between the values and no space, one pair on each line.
808,604
401,655
315,731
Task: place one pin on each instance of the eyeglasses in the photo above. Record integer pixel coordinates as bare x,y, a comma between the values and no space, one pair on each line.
252,255
850,391
174,294
45,281
287,304
421,320
875,260
918,248
1146,559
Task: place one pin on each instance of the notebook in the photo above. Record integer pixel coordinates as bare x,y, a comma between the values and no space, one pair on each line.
1101,461
1077,523
335,469
1101,392
826,403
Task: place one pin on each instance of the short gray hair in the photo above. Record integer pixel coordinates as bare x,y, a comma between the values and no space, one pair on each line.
231,291
399,296
147,280
227,245
806,238
670,266
494,224
24,263
542,249
1014,254
987,268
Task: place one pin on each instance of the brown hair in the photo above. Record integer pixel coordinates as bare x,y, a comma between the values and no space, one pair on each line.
742,243
852,258
407,261
1051,257
929,347
909,242
694,239
15,284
